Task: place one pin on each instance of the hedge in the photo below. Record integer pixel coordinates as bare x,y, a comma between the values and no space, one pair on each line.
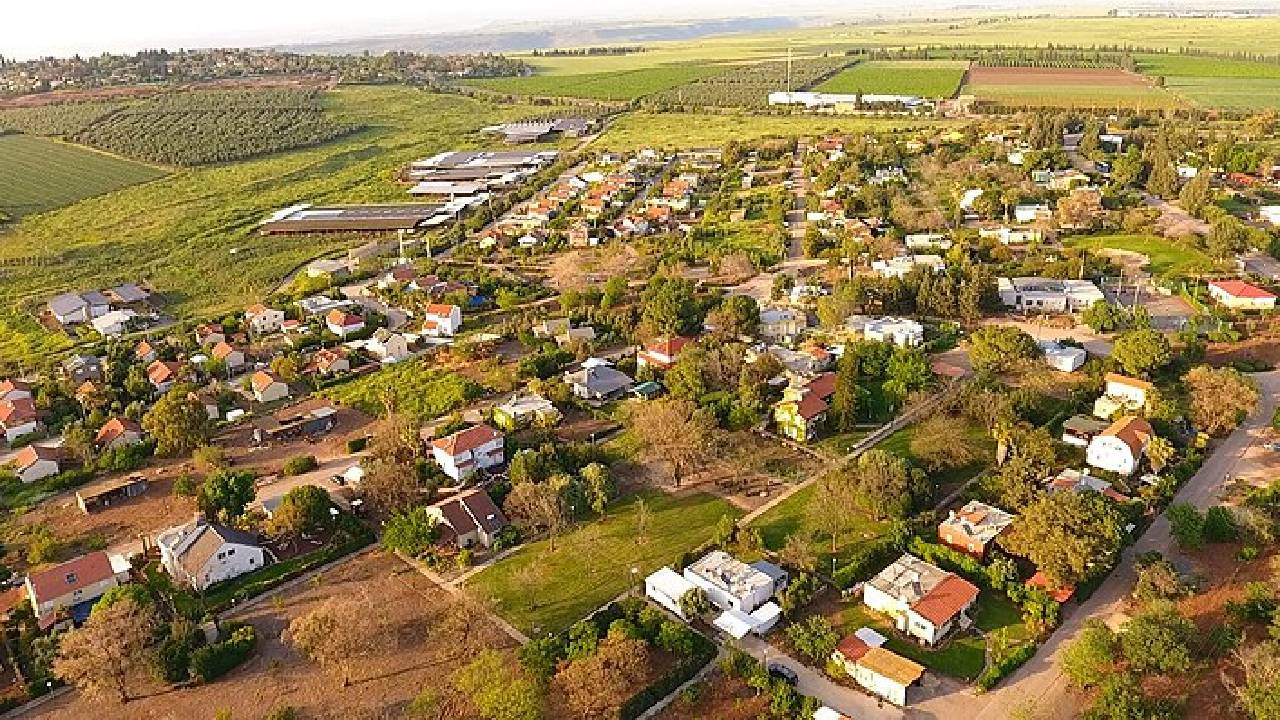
704,652
1001,667
867,561
213,661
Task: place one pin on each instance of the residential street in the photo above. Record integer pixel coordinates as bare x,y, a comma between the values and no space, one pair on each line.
850,702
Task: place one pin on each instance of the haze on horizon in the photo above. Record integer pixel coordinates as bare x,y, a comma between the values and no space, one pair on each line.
88,27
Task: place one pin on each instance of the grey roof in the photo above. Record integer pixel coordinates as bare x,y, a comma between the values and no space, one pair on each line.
600,379
774,572
67,304
93,297
130,293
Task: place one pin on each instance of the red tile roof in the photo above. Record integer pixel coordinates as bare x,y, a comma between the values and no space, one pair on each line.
72,575
946,599
440,310
1126,380
1059,594
115,427
162,371
9,385
222,350
17,412
262,380
1241,289
1132,431
29,455
343,319
466,440
668,346
852,648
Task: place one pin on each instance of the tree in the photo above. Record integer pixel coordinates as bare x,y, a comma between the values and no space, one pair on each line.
1159,452
498,690
599,485
537,506
694,603
391,486
738,315
1220,525
337,635
908,371
411,531
596,686
938,443
1158,640
224,495
104,656
1259,693
1082,209
303,509
615,289
1196,195
1120,698
1141,351
675,432
1067,535
797,553
1090,658
668,307
997,347
844,402
1103,317
814,638
1186,524
1220,398
886,486
177,422
1158,579
1163,179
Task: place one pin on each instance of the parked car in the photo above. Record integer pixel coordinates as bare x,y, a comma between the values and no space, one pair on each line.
783,673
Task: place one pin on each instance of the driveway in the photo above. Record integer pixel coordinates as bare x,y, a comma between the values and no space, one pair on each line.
850,702
1094,343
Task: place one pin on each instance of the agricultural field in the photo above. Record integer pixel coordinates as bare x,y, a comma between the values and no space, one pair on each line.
625,85
926,78
38,174
422,392
1066,87
685,130
1214,82
177,233
590,565
749,85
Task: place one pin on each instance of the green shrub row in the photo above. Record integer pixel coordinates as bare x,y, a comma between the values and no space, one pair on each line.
211,662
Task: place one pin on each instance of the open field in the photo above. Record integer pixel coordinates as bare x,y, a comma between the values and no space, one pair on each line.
1193,66
414,653
591,564
1167,257
177,233
624,85
37,174
1066,87
1217,83
687,130
926,78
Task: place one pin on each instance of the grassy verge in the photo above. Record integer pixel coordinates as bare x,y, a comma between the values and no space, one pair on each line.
962,657
1166,256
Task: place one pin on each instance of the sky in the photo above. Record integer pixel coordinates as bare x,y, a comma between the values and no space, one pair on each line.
89,27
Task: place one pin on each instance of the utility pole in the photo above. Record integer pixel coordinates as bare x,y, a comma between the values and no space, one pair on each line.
788,72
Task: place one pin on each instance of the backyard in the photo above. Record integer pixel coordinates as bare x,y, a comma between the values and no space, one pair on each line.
1166,256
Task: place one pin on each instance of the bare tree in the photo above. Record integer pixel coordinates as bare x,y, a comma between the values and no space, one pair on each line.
537,506
337,635
108,652
391,486
675,432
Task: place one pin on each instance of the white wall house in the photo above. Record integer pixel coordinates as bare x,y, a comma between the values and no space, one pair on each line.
201,554
883,673
923,601
74,585
18,417
263,320
387,346
903,264
470,518
35,462
1047,294
1240,295
666,587
1065,358
729,583
441,320
1119,448
466,452
1121,393
267,387
782,325
902,332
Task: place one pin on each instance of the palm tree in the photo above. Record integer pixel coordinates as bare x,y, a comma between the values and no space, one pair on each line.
1159,453
1003,433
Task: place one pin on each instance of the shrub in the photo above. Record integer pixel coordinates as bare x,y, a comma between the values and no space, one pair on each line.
1003,665
864,563
185,486
213,661
1220,525
282,712
299,464
355,445
1186,524
814,638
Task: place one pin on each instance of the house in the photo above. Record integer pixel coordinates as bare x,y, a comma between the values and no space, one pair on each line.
329,361
883,673
100,496
1065,358
113,323
466,452
1047,294
267,387
74,586
128,294
263,320
144,352
741,591
83,368
1270,213
1120,447
441,320
1121,394
11,390
342,323
118,432
231,357
661,354
782,325
1065,180
209,334
201,554
18,417
903,265
36,462
801,412
523,410
973,528
898,331
1072,480
665,587
927,241
1079,430
923,601
1240,295
551,327
805,361
387,346
70,309
163,374
1031,212
1012,236
598,381
573,336
470,517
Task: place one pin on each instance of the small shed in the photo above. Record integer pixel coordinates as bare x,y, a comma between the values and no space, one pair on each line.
647,390
102,495
666,587
735,623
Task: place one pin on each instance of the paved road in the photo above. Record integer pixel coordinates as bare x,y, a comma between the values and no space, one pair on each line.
1041,682
812,682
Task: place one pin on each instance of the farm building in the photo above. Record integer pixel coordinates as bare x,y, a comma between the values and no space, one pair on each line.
354,218
312,417
104,494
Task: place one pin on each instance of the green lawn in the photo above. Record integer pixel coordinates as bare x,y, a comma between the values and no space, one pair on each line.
962,657
976,437
685,130
789,517
623,85
841,444
926,78
1167,257
592,564
38,174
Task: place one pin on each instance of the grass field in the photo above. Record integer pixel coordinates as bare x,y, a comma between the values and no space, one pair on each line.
592,563
37,174
926,78
685,130
624,85
789,517
1217,82
1167,257
177,232
415,388
976,438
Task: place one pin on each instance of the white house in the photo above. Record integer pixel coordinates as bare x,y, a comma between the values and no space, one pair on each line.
466,452
883,673
1119,448
925,241
903,264
1047,294
729,583
1270,213
441,320
163,374
18,417
74,586
782,324
902,332
113,323
1065,358
343,323
263,320
230,356
1029,213
69,309
387,346
35,462
598,381
923,601
1240,295
201,554
1072,480
267,387
666,587
1121,393
1012,236
524,410
470,517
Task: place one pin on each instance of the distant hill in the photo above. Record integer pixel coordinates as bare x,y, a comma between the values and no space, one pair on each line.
535,38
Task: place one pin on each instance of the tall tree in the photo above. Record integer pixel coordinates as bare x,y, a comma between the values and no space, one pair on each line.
675,432
224,495
844,403
597,685
1066,534
337,635
1142,351
499,690
1220,398
177,422
108,653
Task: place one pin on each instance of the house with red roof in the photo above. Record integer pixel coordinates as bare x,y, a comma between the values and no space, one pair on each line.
469,518
267,387
1240,295
802,411
973,528
882,672
469,451
18,417
11,389
328,361
229,355
1120,447
163,374
144,352
74,586
439,320
662,353
36,462
262,319
118,432
209,334
923,601
342,323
